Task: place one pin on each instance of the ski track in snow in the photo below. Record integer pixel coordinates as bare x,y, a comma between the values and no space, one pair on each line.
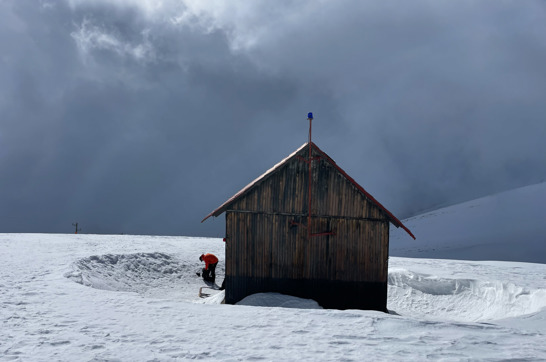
94,298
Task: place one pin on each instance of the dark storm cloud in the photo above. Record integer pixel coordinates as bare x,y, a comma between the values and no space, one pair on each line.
136,117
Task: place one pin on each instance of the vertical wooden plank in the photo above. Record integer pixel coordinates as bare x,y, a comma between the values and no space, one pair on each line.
263,245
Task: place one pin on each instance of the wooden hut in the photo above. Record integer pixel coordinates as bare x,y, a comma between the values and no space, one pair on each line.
327,239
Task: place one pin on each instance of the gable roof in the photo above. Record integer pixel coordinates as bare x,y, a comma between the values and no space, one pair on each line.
218,211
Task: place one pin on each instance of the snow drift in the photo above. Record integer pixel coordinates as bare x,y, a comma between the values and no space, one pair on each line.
140,272
411,293
148,274
278,300
431,297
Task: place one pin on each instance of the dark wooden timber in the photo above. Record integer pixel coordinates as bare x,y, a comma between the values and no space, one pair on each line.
338,256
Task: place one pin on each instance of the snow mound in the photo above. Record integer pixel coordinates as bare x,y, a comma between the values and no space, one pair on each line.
217,298
278,300
431,297
140,272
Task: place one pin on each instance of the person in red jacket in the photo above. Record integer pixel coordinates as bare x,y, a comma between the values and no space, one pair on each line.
209,271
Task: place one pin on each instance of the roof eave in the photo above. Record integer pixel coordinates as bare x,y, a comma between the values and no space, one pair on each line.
219,210
391,217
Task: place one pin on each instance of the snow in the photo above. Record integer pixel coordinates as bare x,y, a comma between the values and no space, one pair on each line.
134,298
468,292
278,300
509,226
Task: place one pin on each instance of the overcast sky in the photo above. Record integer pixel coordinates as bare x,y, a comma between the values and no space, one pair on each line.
142,116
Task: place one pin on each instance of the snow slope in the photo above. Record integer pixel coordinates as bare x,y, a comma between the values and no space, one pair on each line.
134,298
509,226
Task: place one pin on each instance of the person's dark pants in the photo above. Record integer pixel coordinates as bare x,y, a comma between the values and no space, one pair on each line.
209,274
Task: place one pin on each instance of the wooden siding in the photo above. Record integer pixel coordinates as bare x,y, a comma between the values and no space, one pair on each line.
286,191
263,245
267,246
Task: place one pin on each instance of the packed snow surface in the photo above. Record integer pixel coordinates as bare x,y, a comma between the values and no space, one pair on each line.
134,298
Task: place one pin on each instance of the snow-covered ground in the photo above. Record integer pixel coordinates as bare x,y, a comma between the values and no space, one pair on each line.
508,226
134,298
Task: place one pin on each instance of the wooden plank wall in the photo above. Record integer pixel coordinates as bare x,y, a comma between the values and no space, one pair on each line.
265,246
286,191
266,229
